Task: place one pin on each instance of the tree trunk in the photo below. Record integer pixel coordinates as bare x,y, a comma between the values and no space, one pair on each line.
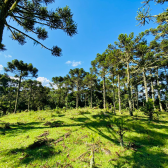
132,101
30,97
1,31
91,97
113,95
17,95
137,97
119,98
166,89
145,84
85,100
153,96
129,90
77,96
104,93
159,97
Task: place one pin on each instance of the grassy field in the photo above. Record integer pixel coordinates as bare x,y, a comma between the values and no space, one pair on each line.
51,139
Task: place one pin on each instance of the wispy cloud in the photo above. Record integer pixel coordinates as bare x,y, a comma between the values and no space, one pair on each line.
12,77
1,67
74,63
8,56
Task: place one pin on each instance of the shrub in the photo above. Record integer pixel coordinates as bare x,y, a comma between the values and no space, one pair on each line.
148,109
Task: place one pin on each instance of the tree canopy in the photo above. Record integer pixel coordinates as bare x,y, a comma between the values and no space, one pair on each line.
33,16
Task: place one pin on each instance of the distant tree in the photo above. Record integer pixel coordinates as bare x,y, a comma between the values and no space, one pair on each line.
127,44
29,15
100,66
77,75
90,81
20,70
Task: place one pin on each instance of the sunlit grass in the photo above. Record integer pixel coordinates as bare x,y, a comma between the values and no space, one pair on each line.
71,134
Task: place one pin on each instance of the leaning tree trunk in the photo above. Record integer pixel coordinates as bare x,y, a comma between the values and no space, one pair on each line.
132,98
129,90
119,97
145,84
152,88
17,94
1,31
104,93
2,21
159,97
153,96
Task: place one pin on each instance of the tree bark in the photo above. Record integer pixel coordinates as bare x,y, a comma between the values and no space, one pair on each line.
145,84
77,96
159,97
104,93
113,96
17,95
1,31
91,97
129,90
119,98
30,97
85,100
132,98
137,97
166,89
153,96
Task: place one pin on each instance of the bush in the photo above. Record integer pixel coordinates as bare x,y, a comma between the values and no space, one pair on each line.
148,109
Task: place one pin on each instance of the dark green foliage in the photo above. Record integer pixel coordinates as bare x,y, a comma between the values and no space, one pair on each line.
120,123
29,15
148,109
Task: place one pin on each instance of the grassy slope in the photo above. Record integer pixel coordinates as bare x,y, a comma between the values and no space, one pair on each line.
149,140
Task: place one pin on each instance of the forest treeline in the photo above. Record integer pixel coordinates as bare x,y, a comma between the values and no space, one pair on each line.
131,73
126,75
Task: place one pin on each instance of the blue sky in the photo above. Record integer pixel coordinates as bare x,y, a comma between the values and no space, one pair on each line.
99,24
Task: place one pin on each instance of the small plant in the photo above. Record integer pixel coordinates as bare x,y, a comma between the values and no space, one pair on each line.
64,109
6,126
120,125
57,110
148,109
47,108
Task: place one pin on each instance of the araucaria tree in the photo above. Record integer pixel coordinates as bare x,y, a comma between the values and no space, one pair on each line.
77,76
30,15
20,70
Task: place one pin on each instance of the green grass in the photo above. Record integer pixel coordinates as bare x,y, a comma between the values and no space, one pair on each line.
50,139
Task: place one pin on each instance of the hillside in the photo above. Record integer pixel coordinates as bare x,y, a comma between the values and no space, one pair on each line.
66,139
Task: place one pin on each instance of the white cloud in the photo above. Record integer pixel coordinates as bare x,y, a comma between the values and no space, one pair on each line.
1,67
74,63
16,78
8,56
46,82
43,80
68,62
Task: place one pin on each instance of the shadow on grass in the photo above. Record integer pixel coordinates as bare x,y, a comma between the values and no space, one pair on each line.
149,154
42,152
17,128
